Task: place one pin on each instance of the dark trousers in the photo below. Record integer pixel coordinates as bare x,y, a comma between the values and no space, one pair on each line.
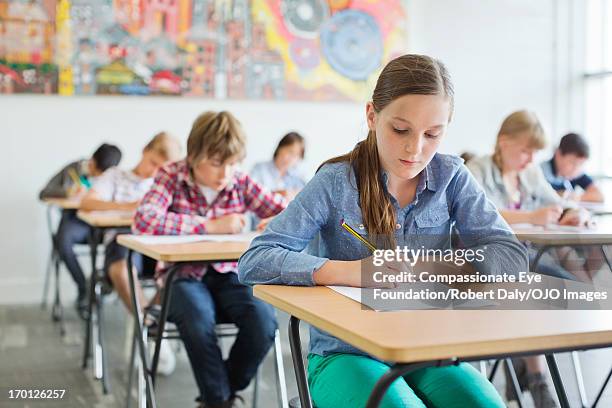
196,306
72,231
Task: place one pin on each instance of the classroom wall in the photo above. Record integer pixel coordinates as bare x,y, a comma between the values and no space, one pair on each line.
501,55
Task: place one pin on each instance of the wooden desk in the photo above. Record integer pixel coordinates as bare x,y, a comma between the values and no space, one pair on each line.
201,251
597,208
63,203
100,221
190,252
439,337
546,238
106,219
599,234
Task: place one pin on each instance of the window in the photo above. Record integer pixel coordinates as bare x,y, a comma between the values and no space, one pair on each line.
598,84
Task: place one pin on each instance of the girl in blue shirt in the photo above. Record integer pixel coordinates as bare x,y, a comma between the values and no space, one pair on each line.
393,184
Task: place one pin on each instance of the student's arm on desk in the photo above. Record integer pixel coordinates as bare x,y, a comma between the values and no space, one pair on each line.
592,194
276,257
541,216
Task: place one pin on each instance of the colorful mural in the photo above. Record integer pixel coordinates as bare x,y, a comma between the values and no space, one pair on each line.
238,49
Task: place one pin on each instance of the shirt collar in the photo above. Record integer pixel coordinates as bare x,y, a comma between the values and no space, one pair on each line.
426,180
553,167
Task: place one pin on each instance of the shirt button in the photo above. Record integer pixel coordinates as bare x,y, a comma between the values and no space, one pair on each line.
361,226
398,226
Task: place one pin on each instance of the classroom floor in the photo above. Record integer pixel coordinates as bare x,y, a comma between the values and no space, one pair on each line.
34,355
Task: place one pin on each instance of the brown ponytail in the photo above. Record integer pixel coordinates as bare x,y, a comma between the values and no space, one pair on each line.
405,75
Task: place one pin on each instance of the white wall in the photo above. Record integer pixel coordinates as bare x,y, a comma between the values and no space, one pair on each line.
500,54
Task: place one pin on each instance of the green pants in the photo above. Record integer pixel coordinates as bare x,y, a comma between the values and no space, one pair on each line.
346,381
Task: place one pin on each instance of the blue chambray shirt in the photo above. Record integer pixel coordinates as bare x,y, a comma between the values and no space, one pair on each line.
308,232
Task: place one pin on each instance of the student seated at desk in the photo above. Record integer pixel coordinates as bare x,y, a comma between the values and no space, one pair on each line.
393,184
564,171
119,189
72,181
205,194
280,174
521,193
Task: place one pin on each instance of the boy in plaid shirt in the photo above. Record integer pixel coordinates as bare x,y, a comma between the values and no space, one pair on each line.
205,194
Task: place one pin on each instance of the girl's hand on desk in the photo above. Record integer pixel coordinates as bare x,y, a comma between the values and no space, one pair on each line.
575,217
357,274
228,224
545,215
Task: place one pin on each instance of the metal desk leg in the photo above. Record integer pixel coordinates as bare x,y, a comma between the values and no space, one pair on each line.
102,349
298,362
511,376
602,389
139,331
605,255
579,379
539,254
557,381
43,304
163,318
494,370
93,240
57,311
281,385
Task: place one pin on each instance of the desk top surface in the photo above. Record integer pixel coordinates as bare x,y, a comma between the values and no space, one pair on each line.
186,252
425,335
63,203
107,219
599,234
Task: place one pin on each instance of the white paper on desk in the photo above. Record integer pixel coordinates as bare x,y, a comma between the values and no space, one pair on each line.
526,226
186,239
565,228
355,294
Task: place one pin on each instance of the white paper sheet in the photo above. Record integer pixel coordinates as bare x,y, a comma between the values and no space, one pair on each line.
186,239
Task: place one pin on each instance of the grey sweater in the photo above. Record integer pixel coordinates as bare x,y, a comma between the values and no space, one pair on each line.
60,183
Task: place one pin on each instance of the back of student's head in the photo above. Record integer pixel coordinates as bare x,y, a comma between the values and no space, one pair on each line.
467,156
290,139
166,146
106,156
573,143
518,126
216,135
405,75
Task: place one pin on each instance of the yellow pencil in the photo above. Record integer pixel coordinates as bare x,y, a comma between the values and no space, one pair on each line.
358,236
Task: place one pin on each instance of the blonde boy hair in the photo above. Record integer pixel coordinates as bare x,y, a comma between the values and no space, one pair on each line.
165,145
215,134
518,124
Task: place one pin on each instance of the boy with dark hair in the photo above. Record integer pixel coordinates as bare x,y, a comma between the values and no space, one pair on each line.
564,171
71,230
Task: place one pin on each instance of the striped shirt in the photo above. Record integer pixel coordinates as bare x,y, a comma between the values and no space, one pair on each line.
121,186
175,205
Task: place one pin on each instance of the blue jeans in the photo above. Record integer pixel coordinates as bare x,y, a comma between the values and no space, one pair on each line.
72,231
196,306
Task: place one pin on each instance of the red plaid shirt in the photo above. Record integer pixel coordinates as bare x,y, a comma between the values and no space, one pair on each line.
175,206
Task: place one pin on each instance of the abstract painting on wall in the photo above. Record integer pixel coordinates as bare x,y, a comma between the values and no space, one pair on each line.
225,49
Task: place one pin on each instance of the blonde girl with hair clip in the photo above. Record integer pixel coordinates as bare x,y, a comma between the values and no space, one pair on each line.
392,184
520,190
